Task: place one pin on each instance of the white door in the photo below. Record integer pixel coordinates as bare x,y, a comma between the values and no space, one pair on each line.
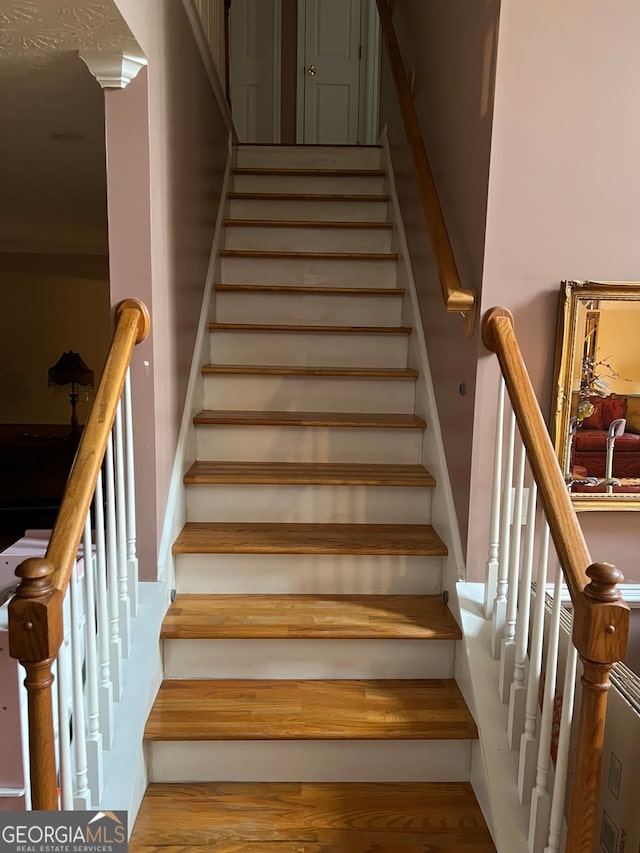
330,85
254,34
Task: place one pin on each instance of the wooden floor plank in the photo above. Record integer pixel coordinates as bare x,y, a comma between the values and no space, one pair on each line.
309,474
312,818
263,538
323,173
300,328
308,196
311,419
424,617
309,289
346,225
300,709
287,370
326,256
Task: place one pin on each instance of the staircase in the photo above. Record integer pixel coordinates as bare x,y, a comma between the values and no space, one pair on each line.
308,703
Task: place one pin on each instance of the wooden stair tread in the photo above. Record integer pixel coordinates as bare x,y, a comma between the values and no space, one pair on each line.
309,709
309,197
323,173
329,256
418,540
333,817
287,370
296,288
309,474
306,329
305,223
310,419
420,617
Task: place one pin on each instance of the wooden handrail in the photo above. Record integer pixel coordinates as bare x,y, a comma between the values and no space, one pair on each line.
601,617
35,614
456,298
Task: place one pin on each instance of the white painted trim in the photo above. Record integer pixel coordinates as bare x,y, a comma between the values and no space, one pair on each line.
175,513
444,514
113,69
125,766
210,67
277,69
370,74
300,71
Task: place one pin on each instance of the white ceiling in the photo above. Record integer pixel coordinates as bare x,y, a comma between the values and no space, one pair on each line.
53,193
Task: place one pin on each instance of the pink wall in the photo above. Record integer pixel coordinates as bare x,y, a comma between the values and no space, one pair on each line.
452,48
187,149
127,134
564,201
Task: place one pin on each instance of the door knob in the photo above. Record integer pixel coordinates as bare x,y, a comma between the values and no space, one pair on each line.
312,71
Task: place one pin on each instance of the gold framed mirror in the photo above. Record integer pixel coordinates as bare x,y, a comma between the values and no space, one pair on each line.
596,415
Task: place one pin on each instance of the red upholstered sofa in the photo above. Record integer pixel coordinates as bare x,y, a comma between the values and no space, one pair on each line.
590,442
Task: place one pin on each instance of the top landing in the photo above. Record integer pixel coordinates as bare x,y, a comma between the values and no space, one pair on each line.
308,156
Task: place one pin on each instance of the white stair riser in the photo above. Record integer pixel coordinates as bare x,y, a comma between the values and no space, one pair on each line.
308,393
314,184
308,308
309,504
307,574
332,272
325,210
310,761
285,239
260,443
313,157
308,658
298,349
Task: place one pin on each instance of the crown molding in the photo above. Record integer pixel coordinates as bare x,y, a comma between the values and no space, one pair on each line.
113,69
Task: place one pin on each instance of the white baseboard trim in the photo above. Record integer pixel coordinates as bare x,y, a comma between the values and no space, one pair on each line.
125,765
443,513
175,513
210,67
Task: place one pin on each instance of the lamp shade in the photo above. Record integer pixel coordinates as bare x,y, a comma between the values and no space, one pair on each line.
69,371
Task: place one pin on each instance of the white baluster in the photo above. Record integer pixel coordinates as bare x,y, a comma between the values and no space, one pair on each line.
508,644
94,738
130,480
115,642
124,605
564,742
82,794
105,687
518,692
64,740
500,603
529,740
541,797
491,574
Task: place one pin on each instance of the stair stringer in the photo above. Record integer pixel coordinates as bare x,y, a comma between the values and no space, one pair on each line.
176,509
443,512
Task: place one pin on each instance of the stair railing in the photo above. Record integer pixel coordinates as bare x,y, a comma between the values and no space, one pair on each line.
83,637
456,298
530,627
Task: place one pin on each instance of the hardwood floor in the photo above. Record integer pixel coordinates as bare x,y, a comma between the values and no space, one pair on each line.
310,419
311,818
309,474
208,617
291,709
265,538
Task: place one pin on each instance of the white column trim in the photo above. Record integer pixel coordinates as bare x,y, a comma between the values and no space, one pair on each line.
113,69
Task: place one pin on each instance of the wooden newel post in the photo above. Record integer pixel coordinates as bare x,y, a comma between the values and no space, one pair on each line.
601,629
35,635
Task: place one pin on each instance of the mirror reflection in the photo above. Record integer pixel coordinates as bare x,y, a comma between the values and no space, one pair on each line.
597,411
